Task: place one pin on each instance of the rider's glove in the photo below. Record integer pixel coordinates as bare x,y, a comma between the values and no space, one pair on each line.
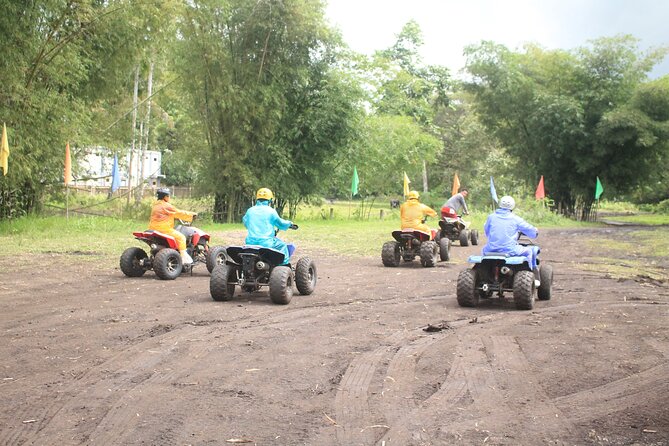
294,226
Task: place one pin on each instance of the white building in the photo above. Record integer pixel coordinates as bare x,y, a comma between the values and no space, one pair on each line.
95,168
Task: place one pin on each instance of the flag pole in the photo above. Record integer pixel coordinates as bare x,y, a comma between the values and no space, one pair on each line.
67,202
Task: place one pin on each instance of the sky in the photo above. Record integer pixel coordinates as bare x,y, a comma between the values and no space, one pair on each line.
450,25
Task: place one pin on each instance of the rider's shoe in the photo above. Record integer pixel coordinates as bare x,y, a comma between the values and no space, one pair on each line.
186,259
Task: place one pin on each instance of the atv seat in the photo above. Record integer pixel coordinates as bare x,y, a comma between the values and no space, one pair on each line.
410,233
500,257
270,255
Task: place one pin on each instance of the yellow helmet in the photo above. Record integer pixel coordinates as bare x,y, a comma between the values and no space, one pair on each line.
413,195
264,194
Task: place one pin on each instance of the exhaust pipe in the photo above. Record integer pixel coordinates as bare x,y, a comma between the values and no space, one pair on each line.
505,270
262,266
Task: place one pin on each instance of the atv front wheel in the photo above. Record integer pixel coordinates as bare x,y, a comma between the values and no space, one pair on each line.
523,290
281,285
390,254
429,252
546,278
444,249
466,291
305,276
167,264
132,262
464,237
217,256
222,282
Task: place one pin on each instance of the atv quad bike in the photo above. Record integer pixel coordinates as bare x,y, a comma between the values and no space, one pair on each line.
252,267
410,243
164,257
453,227
496,274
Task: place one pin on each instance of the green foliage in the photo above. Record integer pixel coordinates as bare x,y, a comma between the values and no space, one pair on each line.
569,115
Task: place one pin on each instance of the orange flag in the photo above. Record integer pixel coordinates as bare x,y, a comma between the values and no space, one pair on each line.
456,184
68,165
539,194
4,151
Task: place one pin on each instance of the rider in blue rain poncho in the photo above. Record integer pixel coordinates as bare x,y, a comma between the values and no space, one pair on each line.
262,221
502,228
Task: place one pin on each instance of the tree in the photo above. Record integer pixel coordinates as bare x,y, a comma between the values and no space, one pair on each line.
547,108
262,78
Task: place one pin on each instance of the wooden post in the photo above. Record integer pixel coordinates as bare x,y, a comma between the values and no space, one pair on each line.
381,214
331,213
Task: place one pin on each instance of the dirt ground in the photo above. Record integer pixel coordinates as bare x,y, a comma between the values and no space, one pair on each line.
90,356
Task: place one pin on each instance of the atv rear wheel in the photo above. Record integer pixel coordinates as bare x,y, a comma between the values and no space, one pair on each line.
464,237
546,278
220,287
429,252
167,264
132,260
523,290
217,256
390,254
474,236
305,276
444,249
466,292
281,285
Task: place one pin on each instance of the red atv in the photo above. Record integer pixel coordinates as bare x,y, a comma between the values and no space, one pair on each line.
453,227
164,257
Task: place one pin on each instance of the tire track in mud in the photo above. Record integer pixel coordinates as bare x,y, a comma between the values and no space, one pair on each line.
490,377
640,389
104,389
352,400
124,381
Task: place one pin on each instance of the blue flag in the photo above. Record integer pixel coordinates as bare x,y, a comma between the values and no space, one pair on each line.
493,192
116,177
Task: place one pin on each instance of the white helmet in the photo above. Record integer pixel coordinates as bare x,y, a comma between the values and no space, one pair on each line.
507,203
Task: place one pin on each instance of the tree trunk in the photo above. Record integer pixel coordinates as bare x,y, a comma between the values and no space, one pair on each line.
149,92
134,130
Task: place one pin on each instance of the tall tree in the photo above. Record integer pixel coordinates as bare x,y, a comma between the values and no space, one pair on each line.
547,108
262,77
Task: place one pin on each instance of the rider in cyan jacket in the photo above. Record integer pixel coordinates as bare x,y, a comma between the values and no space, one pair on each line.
262,221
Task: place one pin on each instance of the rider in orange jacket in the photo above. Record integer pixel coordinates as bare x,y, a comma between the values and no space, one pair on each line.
162,218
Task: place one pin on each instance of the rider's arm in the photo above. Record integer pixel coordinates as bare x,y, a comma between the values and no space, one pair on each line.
183,215
279,222
427,210
486,227
526,228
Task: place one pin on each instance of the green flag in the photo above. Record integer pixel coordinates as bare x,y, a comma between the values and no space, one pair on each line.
599,189
354,182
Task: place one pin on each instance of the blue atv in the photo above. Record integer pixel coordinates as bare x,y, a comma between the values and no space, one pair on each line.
252,267
496,274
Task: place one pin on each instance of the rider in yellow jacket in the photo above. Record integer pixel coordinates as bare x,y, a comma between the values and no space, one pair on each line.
162,218
412,213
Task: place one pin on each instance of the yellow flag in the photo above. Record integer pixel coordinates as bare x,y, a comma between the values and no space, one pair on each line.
456,184
68,165
4,150
406,184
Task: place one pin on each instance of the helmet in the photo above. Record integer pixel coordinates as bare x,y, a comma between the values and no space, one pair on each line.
507,203
413,195
264,194
162,193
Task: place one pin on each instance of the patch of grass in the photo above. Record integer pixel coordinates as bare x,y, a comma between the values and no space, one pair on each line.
636,254
624,269
643,219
